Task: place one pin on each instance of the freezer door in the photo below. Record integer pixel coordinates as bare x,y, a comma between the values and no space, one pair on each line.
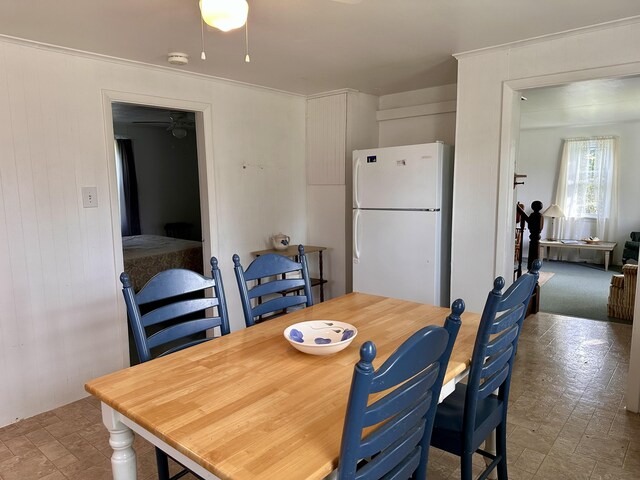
397,254
407,177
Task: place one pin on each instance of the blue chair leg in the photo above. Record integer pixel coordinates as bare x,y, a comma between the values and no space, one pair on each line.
501,450
466,466
163,465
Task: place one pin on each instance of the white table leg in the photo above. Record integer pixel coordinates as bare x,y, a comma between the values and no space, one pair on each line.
123,459
606,260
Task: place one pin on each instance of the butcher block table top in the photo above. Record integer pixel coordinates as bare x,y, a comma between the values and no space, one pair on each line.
250,406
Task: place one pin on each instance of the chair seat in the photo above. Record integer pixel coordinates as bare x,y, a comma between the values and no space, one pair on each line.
447,428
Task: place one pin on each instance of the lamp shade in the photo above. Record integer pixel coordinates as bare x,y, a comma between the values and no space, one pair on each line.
224,15
554,211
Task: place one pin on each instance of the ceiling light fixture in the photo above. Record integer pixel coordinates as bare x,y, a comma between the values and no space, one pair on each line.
224,15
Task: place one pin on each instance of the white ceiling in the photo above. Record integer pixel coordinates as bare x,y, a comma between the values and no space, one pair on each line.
308,46
592,102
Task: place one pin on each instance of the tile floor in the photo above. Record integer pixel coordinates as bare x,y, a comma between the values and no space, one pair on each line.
566,417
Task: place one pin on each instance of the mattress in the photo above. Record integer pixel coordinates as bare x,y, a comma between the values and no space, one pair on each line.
147,255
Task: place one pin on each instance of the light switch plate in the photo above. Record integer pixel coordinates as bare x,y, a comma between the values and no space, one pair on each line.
89,197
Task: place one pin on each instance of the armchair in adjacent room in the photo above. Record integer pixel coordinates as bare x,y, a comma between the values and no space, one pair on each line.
631,248
622,293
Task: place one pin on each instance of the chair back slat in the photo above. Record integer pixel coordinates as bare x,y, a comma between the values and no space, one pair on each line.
174,321
269,265
500,342
492,383
417,360
402,420
412,394
182,346
178,309
182,330
520,289
275,286
403,470
390,432
171,283
496,362
405,451
277,304
266,270
496,344
507,318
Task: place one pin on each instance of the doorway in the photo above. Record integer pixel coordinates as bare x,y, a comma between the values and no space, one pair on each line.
506,206
156,165
206,183
606,108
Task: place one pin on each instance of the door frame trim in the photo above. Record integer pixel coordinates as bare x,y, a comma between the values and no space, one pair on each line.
206,174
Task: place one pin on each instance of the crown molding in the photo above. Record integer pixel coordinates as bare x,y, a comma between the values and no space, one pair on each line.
551,36
134,63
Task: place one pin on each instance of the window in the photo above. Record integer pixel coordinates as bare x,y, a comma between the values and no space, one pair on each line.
587,191
587,186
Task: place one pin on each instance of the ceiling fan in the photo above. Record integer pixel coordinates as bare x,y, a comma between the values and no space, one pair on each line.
177,124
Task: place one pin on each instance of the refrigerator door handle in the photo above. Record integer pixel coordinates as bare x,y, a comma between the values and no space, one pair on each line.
356,182
356,240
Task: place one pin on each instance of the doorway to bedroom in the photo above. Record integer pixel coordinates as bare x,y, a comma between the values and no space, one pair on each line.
156,163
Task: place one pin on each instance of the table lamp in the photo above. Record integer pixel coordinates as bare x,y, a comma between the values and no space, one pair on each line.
554,211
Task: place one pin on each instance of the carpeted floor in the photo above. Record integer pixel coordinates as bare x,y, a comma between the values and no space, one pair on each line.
577,290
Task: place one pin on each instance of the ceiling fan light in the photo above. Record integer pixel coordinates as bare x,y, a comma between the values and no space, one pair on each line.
224,15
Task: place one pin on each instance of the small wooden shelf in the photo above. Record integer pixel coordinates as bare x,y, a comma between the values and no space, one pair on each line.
292,251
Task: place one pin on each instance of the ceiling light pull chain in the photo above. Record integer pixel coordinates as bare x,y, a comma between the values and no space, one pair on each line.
203,55
247,58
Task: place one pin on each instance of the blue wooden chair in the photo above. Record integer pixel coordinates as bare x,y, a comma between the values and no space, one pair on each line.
176,301
273,290
468,416
399,447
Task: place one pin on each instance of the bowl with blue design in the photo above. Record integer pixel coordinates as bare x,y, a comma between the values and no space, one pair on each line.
320,337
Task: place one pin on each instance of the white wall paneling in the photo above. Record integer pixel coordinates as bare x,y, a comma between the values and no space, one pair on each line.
62,320
329,203
481,183
326,137
418,116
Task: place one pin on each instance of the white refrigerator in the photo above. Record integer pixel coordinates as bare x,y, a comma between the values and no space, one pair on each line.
402,222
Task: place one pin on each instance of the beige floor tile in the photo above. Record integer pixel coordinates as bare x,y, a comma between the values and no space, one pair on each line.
54,450
565,467
54,476
531,439
603,471
516,473
632,459
603,448
39,437
33,465
529,461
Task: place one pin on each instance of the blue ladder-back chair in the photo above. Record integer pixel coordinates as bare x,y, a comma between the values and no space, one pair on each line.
274,290
467,417
399,447
178,301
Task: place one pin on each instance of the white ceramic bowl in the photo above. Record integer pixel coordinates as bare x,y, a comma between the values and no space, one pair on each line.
320,337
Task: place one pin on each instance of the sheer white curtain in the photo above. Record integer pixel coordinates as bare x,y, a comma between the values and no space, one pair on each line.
587,188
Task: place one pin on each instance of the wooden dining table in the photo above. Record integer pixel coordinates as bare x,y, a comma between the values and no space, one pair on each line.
250,406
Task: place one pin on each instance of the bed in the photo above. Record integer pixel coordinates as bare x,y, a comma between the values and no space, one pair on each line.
146,255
